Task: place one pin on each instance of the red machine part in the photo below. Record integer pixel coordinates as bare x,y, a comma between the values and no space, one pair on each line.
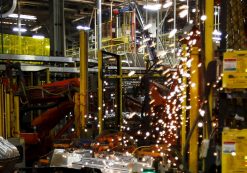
53,91
51,118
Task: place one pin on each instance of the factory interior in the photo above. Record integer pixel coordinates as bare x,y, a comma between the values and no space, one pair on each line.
123,86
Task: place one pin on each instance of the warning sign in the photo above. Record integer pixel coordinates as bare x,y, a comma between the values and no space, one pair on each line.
230,64
234,151
229,147
235,69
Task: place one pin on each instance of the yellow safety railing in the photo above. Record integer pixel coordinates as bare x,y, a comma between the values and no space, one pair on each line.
24,45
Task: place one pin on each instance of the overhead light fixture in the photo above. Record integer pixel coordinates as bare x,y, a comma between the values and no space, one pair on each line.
80,27
131,73
16,29
183,13
183,7
36,28
193,10
152,7
203,17
170,20
23,16
167,4
217,33
38,36
172,33
13,23
146,27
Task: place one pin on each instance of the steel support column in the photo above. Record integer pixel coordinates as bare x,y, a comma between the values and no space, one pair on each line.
209,28
119,116
184,104
83,77
100,91
209,51
1,112
194,97
8,119
16,116
48,76
99,12
100,71
57,27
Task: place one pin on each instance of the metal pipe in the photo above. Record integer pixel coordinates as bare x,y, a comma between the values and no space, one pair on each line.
19,29
188,15
99,24
158,29
117,26
95,34
175,18
11,10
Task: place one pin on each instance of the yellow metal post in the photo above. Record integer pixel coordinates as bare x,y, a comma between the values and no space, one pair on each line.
77,114
3,101
7,111
11,107
83,77
119,116
184,103
209,51
48,76
100,91
1,112
17,117
194,97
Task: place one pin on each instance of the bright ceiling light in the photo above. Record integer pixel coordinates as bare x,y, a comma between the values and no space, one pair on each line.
152,7
172,33
203,17
183,7
16,29
131,73
80,27
38,36
193,10
146,27
183,13
217,33
23,16
36,28
170,20
167,4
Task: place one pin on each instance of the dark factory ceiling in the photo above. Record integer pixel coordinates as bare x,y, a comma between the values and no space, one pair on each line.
76,12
